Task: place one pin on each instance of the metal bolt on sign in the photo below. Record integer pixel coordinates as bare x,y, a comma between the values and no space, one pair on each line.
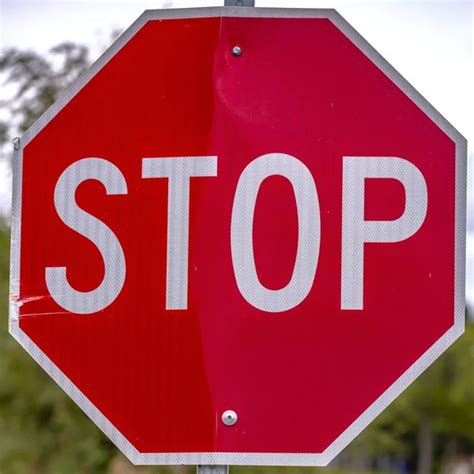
237,50
229,418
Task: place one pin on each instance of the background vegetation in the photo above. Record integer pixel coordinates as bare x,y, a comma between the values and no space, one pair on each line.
429,429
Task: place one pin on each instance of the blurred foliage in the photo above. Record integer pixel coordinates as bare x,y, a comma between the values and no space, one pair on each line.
43,431
37,81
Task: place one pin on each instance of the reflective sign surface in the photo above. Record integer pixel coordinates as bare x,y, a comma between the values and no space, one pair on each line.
277,232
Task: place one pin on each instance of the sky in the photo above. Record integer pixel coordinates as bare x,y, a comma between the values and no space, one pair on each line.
430,43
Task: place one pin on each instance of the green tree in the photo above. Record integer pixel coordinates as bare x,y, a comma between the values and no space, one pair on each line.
37,81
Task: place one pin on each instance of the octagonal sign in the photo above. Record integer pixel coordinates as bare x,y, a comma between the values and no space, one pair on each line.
238,237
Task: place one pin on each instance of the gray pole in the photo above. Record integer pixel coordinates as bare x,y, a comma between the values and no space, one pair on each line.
213,470
239,3
225,469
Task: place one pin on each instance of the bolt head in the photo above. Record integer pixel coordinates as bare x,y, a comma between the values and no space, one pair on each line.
237,50
229,418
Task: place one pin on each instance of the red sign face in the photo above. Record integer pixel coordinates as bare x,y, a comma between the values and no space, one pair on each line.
238,255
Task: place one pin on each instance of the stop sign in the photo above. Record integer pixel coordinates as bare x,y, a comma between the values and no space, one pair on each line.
238,237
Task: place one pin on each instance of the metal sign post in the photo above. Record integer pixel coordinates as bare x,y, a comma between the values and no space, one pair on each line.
225,469
213,470
239,3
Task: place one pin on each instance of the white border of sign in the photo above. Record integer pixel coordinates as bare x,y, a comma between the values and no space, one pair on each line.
231,458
